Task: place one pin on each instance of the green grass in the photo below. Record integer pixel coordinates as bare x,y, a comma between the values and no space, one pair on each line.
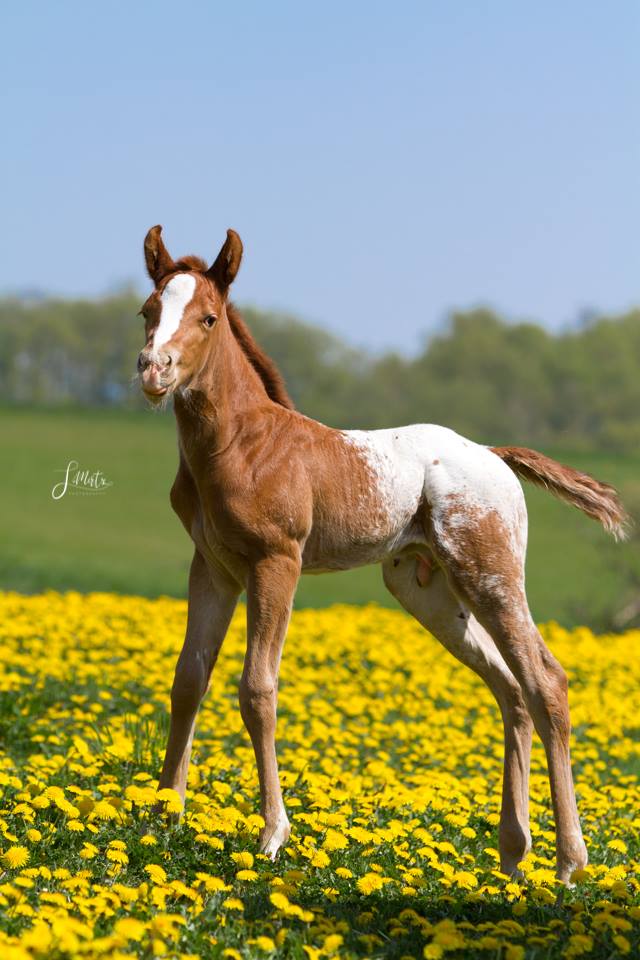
129,540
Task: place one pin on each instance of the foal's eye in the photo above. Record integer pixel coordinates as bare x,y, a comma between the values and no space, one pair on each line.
209,320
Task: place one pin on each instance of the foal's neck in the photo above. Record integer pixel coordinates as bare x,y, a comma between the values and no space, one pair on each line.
214,407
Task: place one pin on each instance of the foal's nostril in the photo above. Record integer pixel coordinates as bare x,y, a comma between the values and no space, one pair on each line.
142,363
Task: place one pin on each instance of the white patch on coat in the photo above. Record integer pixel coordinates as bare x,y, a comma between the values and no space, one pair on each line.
457,478
396,479
177,294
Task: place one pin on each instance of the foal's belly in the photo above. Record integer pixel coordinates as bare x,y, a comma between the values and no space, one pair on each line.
322,555
345,555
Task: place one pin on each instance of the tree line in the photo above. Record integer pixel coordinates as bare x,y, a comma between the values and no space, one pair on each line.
492,380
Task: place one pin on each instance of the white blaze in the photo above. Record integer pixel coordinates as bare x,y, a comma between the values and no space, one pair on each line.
175,297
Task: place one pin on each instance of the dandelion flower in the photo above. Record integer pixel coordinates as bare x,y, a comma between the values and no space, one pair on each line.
243,859
129,928
232,903
370,883
15,857
618,845
263,943
156,873
335,841
104,810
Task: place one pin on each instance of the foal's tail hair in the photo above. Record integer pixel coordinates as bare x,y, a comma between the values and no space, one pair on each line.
600,501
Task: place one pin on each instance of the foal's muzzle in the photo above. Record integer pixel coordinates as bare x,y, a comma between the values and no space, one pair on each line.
156,372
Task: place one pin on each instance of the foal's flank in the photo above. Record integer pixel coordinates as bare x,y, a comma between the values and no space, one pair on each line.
266,494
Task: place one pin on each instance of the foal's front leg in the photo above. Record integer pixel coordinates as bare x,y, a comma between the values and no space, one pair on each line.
270,590
212,600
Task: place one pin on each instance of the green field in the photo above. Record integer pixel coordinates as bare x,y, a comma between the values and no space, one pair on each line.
128,539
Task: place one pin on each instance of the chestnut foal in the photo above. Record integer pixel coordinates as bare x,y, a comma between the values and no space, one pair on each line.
266,494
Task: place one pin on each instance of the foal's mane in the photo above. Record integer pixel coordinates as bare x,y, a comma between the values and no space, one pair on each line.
261,363
264,366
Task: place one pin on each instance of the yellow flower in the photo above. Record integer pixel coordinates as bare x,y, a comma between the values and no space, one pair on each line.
148,840
171,800
117,856
15,857
246,875
335,841
320,859
312,953
433,951
263,943
514,952
129,928
156,873
618,845
623,945
232,903
465,880
370,883
243,859
104,810
211,883
279,901
332,943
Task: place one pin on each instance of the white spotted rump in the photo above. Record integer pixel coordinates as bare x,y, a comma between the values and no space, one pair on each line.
455,478
177,294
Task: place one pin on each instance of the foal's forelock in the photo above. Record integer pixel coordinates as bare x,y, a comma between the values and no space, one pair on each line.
175,298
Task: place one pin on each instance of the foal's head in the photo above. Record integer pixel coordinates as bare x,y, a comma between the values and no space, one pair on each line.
182,313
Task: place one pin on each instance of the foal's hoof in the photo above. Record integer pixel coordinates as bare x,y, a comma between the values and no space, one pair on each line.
575,858
273,837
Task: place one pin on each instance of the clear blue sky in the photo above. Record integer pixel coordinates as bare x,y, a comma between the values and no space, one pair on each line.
383,163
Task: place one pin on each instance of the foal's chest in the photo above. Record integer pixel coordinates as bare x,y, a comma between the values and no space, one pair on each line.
200,524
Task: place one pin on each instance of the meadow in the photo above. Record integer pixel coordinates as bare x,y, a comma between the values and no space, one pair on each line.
390,755
128,540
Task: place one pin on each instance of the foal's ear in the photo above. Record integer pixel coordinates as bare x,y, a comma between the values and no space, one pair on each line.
223,270
159,260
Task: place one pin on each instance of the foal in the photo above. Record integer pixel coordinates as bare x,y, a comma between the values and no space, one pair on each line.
266,494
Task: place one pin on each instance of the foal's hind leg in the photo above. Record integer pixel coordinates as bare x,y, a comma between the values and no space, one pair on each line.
435,606
483,554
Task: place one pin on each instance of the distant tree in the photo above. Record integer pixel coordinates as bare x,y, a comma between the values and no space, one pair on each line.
494,381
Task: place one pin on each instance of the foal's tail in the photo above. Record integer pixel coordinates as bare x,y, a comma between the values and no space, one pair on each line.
600,501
